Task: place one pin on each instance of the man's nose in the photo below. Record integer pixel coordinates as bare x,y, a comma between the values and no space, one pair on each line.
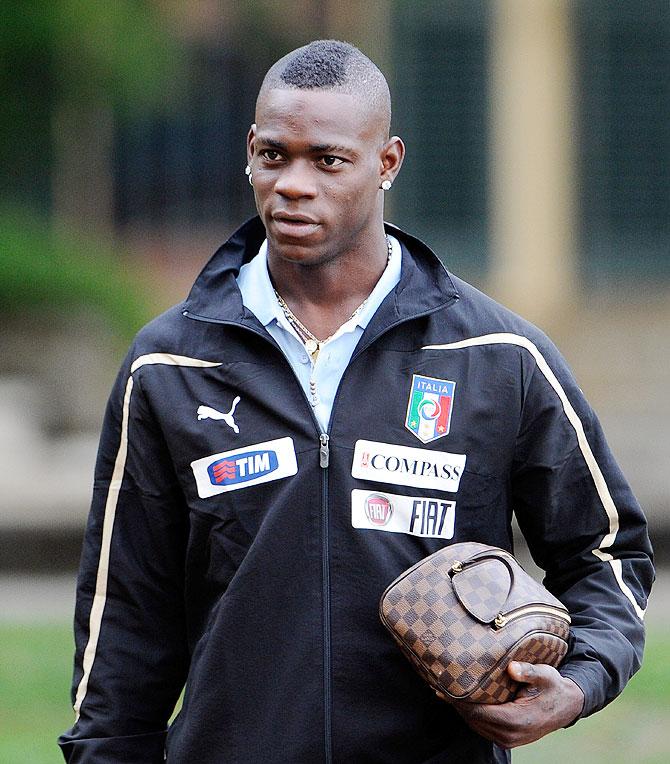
296,180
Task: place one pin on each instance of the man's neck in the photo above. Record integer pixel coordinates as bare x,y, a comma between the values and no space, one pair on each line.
323,296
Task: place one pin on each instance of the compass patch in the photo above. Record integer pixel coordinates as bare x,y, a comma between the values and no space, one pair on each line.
429,407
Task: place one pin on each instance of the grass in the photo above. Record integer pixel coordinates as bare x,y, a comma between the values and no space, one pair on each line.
36,664
35,673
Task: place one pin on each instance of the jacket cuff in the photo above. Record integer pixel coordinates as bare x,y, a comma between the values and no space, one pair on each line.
591,679
148,748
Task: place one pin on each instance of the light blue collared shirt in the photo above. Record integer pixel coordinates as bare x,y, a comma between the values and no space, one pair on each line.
259,297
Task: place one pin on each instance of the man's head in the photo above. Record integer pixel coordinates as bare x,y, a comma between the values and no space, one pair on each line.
320,151
337,66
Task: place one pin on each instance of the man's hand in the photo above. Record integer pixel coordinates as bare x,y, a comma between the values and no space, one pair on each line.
545,702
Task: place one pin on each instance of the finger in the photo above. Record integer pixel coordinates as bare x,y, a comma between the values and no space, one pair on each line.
507,724
491,722
476,716
527,691
491,716
538,674
522,672
528,678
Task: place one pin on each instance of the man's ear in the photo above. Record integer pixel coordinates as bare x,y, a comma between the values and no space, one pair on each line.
251,137
391,155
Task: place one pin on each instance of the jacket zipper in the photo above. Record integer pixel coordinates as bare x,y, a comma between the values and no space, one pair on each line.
502,620
324,459
324,451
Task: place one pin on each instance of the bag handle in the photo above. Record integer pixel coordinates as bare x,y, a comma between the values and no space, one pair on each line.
483,594
502,556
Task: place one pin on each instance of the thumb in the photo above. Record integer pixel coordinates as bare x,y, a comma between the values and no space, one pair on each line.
522,672
528,676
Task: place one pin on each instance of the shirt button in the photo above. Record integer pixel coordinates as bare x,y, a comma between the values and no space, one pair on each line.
304,359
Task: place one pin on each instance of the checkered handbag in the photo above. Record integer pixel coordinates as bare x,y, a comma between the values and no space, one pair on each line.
462,614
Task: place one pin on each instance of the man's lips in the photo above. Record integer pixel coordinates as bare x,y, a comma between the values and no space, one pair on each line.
292,217
293,224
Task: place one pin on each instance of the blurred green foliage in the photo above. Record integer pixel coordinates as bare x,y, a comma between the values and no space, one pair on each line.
45,270
121,49
77,53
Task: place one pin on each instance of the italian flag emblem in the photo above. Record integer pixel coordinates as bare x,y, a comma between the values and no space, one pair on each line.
429,408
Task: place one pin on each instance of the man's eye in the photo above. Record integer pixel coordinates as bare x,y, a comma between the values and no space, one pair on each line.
331,161
270,155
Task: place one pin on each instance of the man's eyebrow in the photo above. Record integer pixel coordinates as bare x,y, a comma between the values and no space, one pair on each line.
270,143
329,148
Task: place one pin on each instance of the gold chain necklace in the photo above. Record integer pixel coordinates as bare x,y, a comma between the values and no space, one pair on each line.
309,340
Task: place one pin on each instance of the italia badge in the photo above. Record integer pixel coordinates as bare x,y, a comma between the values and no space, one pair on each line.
429,408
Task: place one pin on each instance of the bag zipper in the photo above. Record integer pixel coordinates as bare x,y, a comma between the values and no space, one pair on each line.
502,620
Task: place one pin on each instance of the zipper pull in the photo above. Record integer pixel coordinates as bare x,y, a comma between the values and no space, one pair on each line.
324,453
499,621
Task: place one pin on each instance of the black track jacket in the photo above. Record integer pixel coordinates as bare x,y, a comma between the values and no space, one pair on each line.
244,554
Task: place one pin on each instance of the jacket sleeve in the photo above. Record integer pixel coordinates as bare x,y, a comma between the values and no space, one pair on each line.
131,649
584,527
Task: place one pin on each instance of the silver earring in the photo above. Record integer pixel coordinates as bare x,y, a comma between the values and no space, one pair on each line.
386,185
247,172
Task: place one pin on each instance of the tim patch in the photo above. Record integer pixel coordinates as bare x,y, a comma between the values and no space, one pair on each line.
414,515
429,407
244,467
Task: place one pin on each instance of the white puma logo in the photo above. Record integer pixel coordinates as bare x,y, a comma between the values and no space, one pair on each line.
207,412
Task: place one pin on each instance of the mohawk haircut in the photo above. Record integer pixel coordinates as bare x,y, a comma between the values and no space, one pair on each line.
332,65
318,65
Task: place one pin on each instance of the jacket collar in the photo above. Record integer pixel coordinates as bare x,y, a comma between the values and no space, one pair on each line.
424,286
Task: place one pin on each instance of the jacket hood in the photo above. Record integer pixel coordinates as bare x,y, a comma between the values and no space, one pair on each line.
425,285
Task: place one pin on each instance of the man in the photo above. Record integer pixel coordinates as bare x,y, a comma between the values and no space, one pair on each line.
277,450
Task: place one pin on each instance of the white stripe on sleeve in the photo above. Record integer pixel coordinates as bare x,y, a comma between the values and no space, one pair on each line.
572,416
100,596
